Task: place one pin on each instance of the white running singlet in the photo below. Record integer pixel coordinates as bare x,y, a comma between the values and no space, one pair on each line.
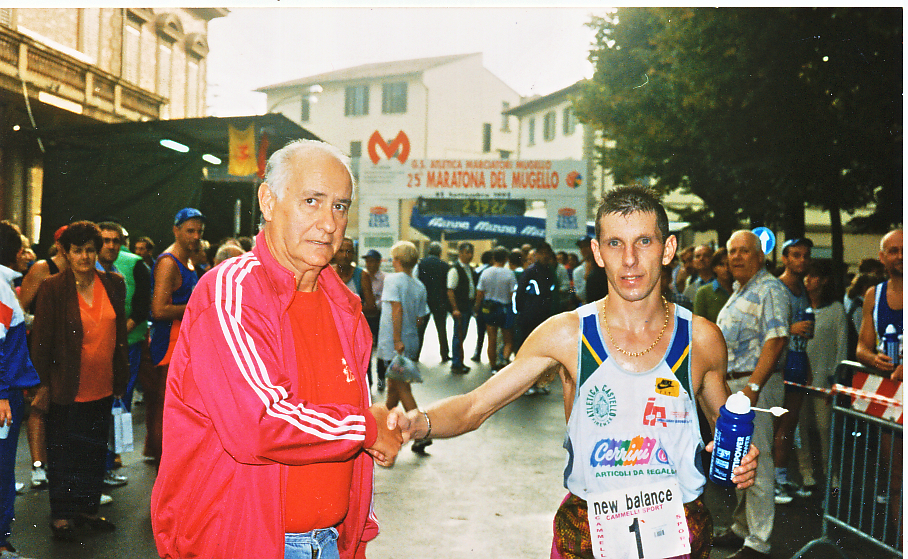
632,429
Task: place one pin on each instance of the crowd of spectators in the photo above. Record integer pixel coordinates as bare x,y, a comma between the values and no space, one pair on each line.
85,316
87,309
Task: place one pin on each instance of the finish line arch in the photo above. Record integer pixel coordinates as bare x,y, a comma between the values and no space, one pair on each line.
383,184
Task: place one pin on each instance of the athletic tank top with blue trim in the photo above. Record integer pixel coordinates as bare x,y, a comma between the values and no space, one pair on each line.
884,315
630,429
163,338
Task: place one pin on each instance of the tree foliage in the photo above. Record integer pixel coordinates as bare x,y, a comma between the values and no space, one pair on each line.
757,111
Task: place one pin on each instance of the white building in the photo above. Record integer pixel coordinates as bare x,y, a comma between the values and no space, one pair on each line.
443,107
447,106
548,129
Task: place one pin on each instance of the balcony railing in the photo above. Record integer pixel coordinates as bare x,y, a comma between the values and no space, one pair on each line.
102,95
52,67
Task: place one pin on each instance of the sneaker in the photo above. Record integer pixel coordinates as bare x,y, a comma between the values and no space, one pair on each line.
531,391
806,490
782,496
39,475
460,369
114,480
105,499
19,487
138,398
381,384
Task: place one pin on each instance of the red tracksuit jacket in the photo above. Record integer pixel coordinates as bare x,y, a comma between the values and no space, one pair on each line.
233,420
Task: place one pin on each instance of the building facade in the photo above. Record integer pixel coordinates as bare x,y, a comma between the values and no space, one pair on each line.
75,66
440,107
548,129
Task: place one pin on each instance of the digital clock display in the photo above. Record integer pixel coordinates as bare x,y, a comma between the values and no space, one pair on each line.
471,207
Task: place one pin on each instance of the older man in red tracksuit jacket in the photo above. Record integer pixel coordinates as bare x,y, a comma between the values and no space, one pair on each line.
249,435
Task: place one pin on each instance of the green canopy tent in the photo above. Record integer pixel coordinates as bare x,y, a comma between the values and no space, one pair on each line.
122,172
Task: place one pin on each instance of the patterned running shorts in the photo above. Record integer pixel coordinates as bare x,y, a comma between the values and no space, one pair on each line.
572,530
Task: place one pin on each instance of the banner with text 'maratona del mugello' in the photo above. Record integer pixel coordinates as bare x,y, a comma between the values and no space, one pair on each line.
387,175
475,178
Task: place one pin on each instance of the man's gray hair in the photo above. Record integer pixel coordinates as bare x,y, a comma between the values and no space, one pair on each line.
754,240
227,251
277,168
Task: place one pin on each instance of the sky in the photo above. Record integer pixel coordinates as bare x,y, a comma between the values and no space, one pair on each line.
534,50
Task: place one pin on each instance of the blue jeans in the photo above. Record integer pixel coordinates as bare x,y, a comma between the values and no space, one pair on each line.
460,333
135,358
480,332
317,544
8,448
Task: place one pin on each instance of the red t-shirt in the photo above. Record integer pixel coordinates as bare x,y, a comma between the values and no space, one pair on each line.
318,495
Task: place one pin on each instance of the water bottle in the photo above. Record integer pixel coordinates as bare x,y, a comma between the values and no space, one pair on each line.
796,361
891,344
809,317
732,441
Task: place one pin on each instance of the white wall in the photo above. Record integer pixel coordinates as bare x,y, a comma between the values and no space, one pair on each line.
328,122
463,96
561,146
446,108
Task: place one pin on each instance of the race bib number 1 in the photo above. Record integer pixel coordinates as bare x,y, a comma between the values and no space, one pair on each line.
640,523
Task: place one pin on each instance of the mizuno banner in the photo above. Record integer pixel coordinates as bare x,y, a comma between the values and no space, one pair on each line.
486,227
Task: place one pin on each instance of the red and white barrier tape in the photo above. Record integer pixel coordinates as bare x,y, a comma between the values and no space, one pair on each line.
861,394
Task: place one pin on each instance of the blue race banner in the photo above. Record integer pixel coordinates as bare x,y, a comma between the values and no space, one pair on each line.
473,227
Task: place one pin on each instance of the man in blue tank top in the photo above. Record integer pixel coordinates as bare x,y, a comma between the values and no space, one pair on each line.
172,281
631,367
882,307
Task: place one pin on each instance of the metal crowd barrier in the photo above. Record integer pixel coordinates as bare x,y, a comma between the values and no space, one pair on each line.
865,457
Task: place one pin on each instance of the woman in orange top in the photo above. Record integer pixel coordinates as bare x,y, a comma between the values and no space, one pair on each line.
79,349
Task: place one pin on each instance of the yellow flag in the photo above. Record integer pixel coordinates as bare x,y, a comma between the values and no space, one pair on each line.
243,160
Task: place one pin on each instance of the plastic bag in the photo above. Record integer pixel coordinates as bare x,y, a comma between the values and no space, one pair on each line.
121,435
403,369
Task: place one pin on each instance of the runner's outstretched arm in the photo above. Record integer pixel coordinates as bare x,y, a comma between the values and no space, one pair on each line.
540,354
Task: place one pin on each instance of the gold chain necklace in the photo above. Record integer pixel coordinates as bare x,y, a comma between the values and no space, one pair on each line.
636,353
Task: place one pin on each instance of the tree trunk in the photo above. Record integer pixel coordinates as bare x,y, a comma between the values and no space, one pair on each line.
838,250
794,216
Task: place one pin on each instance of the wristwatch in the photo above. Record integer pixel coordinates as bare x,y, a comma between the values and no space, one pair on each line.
753,386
